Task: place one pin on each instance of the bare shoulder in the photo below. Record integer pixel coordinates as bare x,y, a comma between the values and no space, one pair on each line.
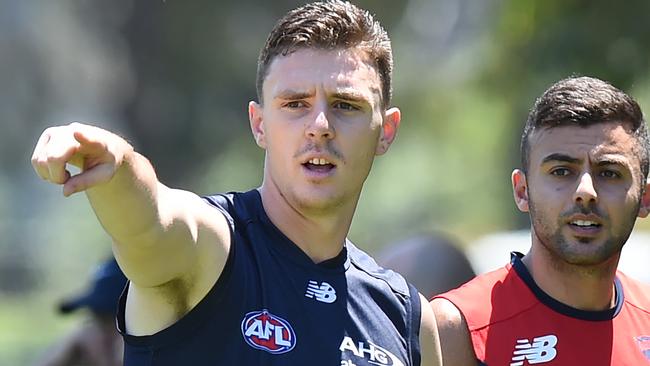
190,250
446,313
196,248
429,340
213,240
206,252
454,334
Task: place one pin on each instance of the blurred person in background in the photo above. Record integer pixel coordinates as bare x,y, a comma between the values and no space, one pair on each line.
433,263
96,342
265,277
583,182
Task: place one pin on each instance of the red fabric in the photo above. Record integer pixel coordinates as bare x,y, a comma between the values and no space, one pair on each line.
502,312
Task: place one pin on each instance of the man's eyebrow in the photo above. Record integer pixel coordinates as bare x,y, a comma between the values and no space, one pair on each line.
293,94
560,157
350,95
610,160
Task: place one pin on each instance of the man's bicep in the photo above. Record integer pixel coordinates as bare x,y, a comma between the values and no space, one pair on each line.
213,247
176,277
191,244
455,340
205,235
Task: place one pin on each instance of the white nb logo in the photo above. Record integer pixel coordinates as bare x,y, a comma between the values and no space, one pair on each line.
323,293
541,350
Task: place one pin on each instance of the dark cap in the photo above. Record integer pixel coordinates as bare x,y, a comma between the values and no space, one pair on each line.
107,285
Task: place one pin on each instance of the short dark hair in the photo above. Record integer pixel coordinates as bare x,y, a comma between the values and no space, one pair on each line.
585,101
329,25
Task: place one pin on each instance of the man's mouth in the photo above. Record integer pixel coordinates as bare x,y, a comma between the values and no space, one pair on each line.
585,224
585,227
319,165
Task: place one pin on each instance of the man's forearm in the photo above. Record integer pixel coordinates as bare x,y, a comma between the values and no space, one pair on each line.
127,205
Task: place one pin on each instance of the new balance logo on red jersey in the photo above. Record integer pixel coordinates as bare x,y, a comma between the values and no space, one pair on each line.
540,350
644,345
323,292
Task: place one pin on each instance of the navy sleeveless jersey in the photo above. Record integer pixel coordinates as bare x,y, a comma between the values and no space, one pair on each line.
273,306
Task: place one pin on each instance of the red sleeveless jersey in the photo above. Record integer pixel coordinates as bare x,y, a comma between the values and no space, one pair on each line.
513,322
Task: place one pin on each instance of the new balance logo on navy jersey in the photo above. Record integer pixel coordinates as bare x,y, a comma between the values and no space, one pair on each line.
541,350
323,293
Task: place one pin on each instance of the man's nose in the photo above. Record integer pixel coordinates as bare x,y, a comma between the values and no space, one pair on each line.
585,192
320,126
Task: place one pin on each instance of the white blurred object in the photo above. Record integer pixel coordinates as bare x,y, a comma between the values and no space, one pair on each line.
493,251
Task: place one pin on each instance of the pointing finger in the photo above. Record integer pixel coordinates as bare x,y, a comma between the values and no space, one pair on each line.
59,152
89,178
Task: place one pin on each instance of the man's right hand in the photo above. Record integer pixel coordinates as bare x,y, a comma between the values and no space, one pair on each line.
97,152
170,243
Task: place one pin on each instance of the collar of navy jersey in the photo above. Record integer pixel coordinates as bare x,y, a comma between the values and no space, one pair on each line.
546,299
284,245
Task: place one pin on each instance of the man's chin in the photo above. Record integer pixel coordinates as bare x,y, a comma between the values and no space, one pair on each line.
319,201
583,252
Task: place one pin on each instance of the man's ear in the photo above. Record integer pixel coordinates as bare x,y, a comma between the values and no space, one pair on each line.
392,119
520,190
256,120
644,205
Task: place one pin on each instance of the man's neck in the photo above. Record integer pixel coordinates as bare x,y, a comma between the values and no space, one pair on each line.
589,288
320,236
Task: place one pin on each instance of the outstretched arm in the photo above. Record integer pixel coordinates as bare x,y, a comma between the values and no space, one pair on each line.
161,235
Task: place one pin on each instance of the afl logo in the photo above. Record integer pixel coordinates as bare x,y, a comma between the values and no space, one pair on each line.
270,333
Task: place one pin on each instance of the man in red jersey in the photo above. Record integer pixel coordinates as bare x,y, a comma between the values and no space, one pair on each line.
583,182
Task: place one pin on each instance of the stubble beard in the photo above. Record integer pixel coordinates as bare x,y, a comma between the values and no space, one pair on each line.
569,252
